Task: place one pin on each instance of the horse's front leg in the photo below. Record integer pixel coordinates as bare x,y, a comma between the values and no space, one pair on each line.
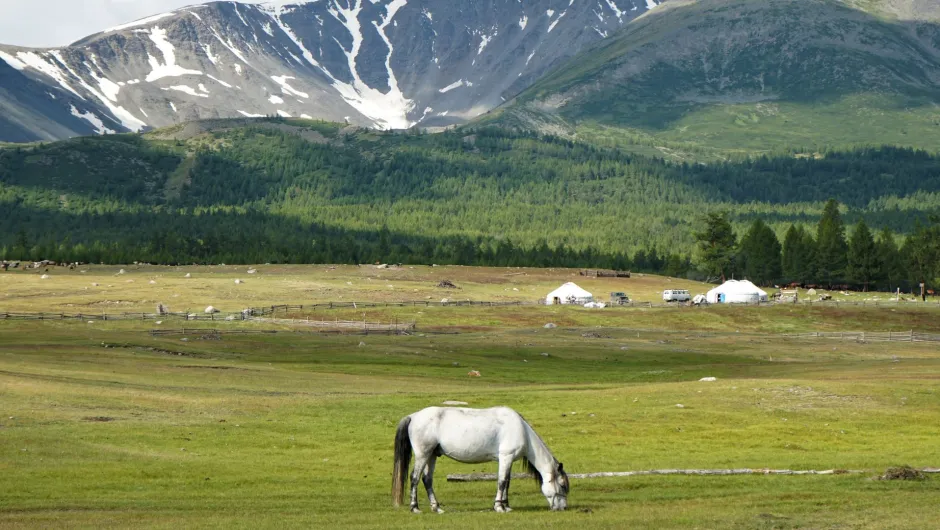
429,485
420,462
502,484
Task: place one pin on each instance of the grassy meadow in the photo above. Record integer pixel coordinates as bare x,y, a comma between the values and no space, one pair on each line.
103,289
104,425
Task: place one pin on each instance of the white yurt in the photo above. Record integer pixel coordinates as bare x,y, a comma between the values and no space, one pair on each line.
569,293
736,292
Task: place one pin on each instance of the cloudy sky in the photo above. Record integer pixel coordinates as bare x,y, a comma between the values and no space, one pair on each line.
47,23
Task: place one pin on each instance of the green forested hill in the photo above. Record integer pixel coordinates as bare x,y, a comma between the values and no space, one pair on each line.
302,191
751,76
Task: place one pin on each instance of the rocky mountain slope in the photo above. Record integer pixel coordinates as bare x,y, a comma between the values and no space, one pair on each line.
375,63
745,74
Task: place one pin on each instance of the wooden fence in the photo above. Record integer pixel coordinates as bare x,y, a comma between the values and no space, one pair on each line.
218,333
126,316
869,336
357,325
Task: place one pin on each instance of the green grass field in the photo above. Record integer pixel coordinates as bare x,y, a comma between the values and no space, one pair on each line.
104,425
101,289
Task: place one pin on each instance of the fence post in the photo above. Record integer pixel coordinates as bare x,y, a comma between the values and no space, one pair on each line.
912,335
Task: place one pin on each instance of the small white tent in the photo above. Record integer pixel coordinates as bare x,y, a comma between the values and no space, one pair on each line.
736,292
569,293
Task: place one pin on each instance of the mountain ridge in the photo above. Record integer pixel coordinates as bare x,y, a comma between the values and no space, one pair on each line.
763,75
382,63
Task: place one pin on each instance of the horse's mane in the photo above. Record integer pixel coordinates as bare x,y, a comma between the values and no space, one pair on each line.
525,461
531,469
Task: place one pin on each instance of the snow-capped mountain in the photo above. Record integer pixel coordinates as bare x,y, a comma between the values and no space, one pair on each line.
375,63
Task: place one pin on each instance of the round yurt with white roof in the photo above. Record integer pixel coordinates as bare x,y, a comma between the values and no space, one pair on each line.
569,293
736,292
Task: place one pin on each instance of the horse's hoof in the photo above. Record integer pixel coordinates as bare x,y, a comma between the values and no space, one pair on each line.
437,509
414,509
502,509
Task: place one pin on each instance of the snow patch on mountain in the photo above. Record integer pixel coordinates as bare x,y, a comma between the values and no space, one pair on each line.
168,68
50,68
484,40
219,81
214,59
141,22
12,61
563,13
93,119
452,86
286,88
388,110
186,90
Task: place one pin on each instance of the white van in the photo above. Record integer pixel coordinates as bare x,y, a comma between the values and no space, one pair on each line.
676,295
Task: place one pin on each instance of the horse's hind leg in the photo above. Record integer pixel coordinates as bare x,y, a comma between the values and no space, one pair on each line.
429,485
502,484
421,460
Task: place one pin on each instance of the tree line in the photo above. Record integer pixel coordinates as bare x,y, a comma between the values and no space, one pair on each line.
825,258
312,192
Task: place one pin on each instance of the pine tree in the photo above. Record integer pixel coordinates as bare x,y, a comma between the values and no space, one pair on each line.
922,250
891,270
862,258
790,261
717,245
808,262
831,247
760,254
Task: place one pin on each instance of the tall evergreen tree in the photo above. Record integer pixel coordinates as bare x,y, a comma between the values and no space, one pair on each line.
760,254
792,242
922,252
862,258
799,255
810,250
831,247
717,245
892,269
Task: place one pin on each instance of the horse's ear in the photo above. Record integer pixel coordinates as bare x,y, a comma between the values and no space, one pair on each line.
561,467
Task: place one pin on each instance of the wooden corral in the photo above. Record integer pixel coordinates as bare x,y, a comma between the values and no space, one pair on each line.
600,273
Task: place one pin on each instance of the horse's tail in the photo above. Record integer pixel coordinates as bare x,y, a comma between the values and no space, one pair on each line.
402,460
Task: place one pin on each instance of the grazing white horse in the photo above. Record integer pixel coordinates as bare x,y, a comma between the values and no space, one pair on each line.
472,436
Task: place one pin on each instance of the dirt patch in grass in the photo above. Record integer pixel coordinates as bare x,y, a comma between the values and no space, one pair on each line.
176,353
903,473
197,367
100,419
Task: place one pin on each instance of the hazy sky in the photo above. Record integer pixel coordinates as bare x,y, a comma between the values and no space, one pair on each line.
47,23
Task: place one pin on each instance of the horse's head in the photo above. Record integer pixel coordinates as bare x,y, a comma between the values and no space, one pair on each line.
555,488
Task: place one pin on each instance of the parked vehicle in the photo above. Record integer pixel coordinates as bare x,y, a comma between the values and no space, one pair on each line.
619,298
676,295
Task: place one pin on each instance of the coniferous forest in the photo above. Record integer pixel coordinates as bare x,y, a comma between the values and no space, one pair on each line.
313,192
